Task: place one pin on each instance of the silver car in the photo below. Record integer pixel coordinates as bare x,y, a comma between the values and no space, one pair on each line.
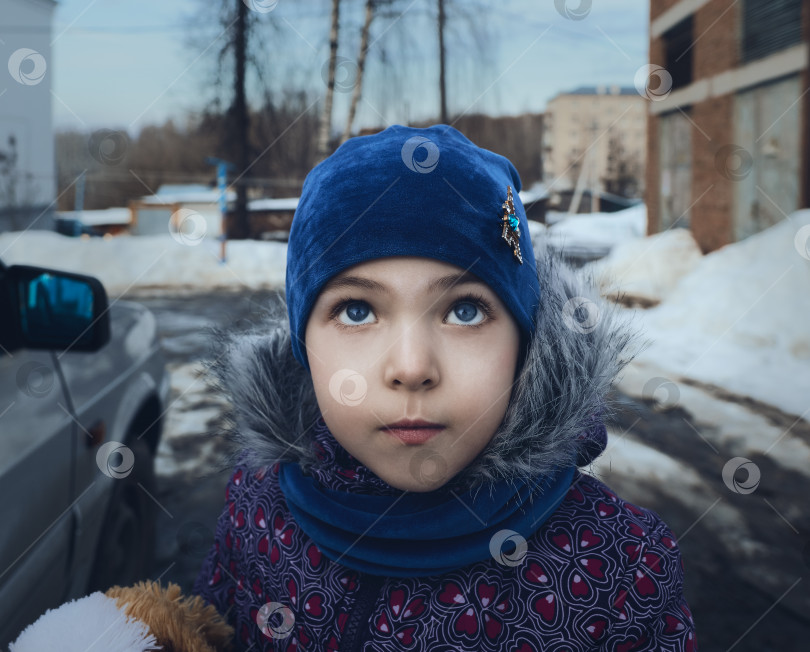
83,391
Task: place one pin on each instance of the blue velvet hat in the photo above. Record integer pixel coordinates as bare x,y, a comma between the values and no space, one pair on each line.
411,192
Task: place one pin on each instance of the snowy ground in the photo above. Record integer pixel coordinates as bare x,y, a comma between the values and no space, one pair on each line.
735,318
171,262
186,446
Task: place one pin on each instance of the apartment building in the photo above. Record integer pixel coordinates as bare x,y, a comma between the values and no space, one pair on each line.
727,151
594,137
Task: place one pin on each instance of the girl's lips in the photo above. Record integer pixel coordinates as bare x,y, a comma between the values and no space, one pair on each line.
413,435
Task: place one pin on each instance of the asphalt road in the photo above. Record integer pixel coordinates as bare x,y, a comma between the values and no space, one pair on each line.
753,601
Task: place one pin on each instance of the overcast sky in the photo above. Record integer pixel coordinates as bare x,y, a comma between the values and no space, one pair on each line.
119,63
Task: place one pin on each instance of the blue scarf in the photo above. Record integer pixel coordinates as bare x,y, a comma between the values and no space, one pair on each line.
418,534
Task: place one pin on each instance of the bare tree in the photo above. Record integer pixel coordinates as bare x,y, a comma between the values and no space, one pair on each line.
237,44
442,79
361,66
238,120
461,27
384,9
326,116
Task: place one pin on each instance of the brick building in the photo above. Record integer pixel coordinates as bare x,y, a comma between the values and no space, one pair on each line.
728,152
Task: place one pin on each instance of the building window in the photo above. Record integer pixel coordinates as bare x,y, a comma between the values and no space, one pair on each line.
770,26
678,42
675,165
766,166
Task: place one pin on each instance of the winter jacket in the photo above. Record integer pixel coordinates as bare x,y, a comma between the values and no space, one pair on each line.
599,574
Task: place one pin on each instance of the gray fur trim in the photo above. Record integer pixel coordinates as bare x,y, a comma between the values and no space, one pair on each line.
273,403
569,368
566,378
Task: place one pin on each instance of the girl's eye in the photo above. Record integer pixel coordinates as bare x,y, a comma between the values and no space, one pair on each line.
356,311
465,310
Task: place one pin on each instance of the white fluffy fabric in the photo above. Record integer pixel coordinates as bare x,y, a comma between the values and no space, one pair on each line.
90,624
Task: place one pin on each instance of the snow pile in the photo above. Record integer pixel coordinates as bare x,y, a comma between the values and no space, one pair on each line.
740,319
645,270
127,262
598,232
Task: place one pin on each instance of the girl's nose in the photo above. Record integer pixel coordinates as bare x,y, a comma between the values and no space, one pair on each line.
411,360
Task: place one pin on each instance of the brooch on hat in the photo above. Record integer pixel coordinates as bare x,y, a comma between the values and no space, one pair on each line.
511,226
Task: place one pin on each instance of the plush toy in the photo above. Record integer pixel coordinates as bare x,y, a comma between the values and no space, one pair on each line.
129,619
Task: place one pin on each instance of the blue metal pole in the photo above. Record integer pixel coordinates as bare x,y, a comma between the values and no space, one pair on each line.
222,186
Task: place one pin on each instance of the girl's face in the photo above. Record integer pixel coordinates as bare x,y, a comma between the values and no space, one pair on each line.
407,337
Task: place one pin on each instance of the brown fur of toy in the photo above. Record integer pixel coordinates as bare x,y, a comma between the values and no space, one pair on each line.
179,623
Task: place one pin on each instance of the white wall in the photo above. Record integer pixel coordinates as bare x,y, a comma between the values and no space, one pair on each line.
25,103
194,220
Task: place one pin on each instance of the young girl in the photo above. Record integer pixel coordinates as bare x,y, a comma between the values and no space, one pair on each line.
411,428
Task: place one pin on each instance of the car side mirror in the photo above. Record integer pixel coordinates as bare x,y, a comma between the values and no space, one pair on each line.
56,310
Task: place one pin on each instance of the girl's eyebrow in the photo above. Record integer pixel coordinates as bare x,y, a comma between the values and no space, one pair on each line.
441,283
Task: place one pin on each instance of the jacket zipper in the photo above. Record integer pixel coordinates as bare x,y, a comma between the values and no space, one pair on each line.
354,632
